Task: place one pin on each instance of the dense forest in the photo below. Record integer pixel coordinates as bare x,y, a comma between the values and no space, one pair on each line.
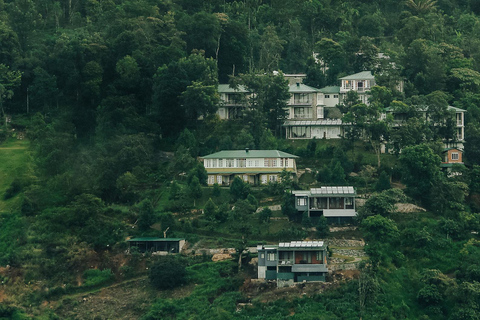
107,105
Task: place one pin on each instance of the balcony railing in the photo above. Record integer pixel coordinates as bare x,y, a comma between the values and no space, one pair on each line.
286,262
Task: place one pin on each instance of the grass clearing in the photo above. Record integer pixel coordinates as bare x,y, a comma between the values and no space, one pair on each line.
14,160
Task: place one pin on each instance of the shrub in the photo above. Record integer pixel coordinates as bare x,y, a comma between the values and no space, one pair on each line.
168,272
95,277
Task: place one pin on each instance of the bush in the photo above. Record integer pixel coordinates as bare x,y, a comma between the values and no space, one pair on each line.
95,277
168,272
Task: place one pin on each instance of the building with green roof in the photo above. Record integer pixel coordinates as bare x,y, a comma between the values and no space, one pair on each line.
252,166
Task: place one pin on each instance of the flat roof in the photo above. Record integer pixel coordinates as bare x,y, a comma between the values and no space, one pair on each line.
239,154
155,239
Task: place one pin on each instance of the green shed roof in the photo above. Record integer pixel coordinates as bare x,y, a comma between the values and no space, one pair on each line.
331,89
364,75
148,239
226,154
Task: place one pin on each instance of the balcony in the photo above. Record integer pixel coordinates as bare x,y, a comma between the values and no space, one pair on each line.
309,268
285,262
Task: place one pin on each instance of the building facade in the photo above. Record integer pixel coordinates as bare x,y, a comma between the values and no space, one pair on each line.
252,166
291,262
337,204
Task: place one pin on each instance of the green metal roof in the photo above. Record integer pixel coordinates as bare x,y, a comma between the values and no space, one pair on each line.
364,75
238,154
451,148
301,88
331,89
456,109
225,88
156,239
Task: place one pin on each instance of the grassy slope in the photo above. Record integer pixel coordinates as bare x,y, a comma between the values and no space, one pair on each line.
14,159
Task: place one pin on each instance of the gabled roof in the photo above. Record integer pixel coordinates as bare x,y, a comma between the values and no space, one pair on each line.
225,88
364,75
239,154
301,88
331,89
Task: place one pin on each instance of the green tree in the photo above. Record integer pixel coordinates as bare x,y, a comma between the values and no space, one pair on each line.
421,169
239,189
383,182
379,229
210,210
9,80
323,230
194,189
168,272
265,215
146,215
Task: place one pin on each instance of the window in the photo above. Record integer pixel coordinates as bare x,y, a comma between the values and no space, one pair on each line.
205,163
230,163
335,96
454,155
301,98
301,132
319,256
271,256
211,179
302,112
273,178
220,163
306,257
257,163
336,203
245,178
348,203
281,162
219,180
262,255
286,162
242,163
270,162
327,96
301,201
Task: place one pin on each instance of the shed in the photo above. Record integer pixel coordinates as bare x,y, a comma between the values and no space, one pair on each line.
152,244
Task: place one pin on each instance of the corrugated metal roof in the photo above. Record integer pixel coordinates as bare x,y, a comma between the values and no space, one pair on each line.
331,89
322,122
364,75
239,154
225,88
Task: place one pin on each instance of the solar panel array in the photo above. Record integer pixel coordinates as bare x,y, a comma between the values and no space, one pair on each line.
301,244
333,190
325,122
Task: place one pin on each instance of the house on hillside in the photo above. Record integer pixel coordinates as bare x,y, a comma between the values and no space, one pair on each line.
157,245
253,166
399,118
232,101
451,157
291,262
337,204
360,82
